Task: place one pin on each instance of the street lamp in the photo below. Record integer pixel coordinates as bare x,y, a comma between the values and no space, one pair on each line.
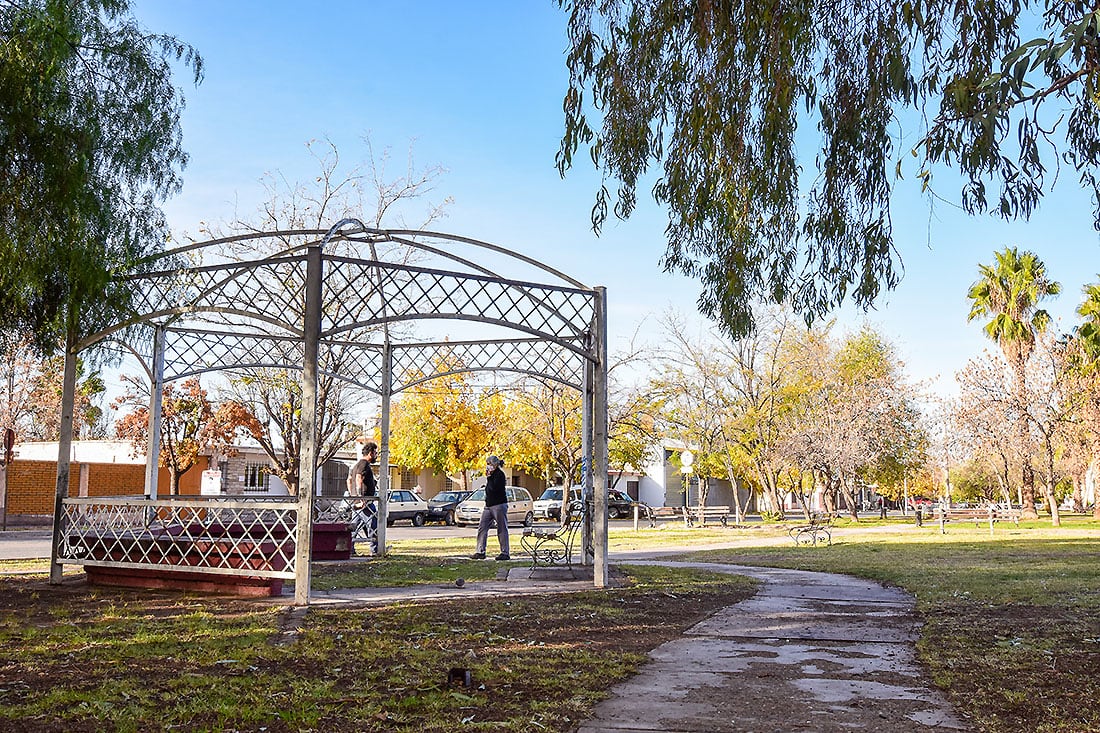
686,459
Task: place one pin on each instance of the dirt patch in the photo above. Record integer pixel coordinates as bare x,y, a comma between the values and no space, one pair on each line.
983,655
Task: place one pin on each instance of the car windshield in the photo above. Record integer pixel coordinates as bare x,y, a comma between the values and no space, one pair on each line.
551,494
448,496
478,495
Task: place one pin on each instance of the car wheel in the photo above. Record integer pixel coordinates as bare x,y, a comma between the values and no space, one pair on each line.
529,519
449,520
613,512
418,520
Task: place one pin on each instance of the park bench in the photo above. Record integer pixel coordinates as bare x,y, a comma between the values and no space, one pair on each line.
990,514
702,513
653,513
553,546
813,532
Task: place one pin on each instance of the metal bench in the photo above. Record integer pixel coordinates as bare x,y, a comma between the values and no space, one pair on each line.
553,546
817,530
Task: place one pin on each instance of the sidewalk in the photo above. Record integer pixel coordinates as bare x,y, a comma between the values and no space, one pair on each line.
809,652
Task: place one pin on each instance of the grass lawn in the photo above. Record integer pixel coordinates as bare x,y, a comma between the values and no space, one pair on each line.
1012,633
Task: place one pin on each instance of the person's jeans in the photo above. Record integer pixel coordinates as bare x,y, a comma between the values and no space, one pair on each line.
490,514
366,519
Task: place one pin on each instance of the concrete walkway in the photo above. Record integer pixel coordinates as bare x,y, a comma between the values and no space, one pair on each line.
809,652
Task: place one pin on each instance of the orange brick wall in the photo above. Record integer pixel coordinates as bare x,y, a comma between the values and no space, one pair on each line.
31,487
109,479
31,484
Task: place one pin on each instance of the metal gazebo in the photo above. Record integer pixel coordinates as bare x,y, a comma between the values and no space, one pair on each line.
340,302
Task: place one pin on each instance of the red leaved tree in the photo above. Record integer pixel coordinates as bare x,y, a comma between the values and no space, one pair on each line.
190,424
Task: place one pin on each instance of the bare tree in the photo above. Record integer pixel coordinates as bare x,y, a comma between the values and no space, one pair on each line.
272,397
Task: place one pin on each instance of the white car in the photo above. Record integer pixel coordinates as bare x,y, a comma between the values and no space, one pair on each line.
404,504
548,506
519,507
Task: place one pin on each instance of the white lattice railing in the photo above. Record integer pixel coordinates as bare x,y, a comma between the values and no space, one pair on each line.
225,535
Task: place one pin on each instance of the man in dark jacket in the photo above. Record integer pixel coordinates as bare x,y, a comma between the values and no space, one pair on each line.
362,483
496,510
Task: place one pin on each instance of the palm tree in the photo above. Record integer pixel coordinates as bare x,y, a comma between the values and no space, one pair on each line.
1009,292
1088,333
1087,337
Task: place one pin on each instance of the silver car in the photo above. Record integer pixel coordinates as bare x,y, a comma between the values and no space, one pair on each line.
519,507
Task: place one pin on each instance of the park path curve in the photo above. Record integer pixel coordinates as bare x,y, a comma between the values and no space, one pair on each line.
809,652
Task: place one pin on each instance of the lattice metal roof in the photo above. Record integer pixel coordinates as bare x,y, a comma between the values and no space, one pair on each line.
239,302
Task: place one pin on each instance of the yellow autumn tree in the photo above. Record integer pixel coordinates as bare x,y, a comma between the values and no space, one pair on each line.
448,424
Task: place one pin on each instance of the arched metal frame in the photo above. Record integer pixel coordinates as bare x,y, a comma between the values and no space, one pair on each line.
335,312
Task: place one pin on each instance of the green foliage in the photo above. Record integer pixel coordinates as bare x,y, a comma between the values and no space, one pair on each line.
89,144
1088,333
974,481
1009,292
713,94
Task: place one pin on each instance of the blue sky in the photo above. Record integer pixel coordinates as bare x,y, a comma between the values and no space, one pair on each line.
476,87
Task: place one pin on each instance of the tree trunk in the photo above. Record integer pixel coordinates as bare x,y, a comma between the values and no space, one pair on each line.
770,491
1027,492
1055,517
738,509
850,498
1027,487
1090,479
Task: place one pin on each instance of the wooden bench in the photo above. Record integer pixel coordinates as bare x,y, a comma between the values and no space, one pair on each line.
990,513
653,513
553,546
702,513
811,533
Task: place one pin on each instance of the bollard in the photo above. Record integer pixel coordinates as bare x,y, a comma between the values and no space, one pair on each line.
919,518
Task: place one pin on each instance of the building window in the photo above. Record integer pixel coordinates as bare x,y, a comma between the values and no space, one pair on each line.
255,477
407,479
448,484
632,490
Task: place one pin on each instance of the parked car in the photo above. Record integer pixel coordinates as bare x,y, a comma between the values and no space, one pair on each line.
519,507
618,504
404,504
442,506
548,505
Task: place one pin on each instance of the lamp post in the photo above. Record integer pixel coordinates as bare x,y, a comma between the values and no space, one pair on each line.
686,459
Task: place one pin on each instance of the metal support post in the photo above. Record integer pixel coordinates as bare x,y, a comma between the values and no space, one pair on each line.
588,545
599,438
384,448
156,398
307,456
